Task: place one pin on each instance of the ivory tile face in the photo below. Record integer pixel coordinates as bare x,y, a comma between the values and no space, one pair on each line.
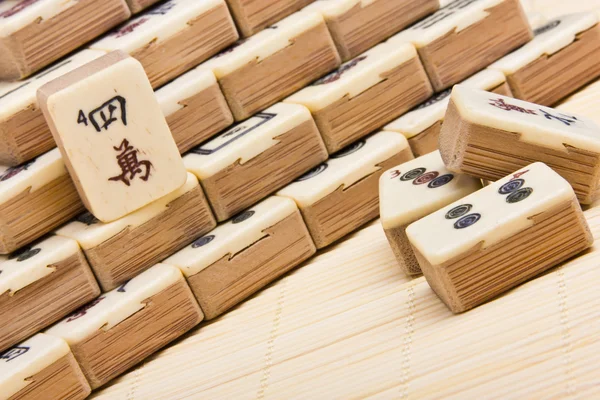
341,194
113,137
244,254
467,238
125,325
32,32
413,190
21,365
449,41
251,160
566,46
121,249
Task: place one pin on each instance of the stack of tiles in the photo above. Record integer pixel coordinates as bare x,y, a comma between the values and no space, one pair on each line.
466,36
39,285
410,192
422,125
244,254
255,158
559,60
499,237
259,71
33,33
252,16
42,367
173,37
365,93
127,324
357,25
490,136
341,195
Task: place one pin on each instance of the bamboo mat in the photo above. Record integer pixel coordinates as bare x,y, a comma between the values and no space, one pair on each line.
349,324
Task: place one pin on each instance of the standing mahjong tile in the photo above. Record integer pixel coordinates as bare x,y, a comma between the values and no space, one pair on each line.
255,158
244,254
365,93
40,284
259,71
42,367
560,59
340,195
358,25
194,107
413,190
35,198
24,133
489,136
499,237
113,136
173,37
466,36
422,125
252,16
33,34
122,327
119,250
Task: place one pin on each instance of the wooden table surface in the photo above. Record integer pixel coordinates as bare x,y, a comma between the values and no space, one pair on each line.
349,324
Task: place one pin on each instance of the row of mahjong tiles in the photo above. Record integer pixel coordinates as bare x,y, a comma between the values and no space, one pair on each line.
22,119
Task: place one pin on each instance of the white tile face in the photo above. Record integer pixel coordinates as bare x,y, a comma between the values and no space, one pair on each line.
115,306
17,14
263,44
336,8
89,232
117,140
549,39
187,85
33,174
232,236
490,215
457,15
433,110
34,262
419,187
345,168
18,95
536,20
536,124
157,23
355,76
245,140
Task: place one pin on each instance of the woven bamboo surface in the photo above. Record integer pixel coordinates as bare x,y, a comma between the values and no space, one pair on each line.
349,324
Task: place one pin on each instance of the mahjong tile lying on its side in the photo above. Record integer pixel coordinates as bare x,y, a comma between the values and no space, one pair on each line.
35,198
173,37
113,136
194,108
412,191
40,284
254,158
365,93
499,237
24,133
259,71
42,367
340,195
122,327
560,59
358,25
33,33
119,250
422,125
465,36
254,16
490,136
244,254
